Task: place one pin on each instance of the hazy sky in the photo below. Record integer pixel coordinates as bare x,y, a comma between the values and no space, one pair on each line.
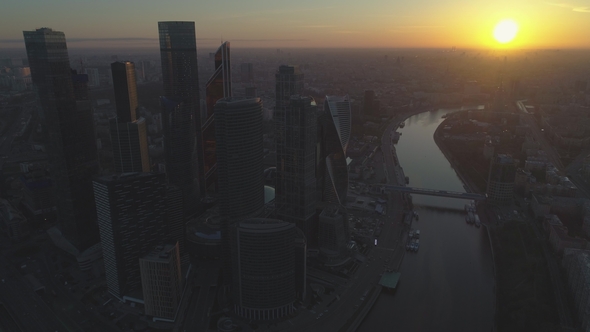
303,23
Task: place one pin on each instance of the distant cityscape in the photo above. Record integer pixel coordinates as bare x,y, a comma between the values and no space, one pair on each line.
312,190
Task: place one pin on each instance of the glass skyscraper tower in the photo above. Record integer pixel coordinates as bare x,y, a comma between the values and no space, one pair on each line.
68,127
296,198
181,109
128,133
334,135
218,86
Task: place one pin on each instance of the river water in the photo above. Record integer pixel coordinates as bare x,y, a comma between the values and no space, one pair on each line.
449,284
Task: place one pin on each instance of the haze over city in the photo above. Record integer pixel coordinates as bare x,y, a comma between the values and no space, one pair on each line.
306,23
317,166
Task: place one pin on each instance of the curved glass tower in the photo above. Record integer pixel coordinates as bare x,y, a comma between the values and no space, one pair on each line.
264,282
334,135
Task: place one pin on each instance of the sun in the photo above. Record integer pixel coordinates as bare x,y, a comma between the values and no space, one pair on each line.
505,31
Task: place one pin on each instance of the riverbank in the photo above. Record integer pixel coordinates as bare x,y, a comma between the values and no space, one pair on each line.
522,296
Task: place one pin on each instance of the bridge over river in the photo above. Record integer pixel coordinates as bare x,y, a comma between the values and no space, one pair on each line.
433,192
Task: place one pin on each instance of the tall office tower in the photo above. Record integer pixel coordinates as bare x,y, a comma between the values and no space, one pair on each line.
501,179
295,196
250,92
128,133
161,281
218,86
132,219
181,110
238,127
68,127
289,81
247,71
176,222
263,286
334,134
300,265
368,102
333,232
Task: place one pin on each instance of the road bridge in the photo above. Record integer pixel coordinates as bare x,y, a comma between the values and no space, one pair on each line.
433,192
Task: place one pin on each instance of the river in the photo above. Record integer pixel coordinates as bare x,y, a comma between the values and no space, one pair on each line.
449,284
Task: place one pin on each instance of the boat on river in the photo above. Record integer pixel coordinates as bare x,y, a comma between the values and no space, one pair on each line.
403,124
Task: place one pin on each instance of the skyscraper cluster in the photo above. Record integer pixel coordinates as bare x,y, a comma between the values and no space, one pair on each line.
211,153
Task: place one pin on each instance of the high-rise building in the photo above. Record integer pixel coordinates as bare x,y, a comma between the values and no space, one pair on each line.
296,131
181,119
263,252
93,77
247,72
238,128
289,81
161,281
68,127
218,86
333,232
334,135
128,133
131,209
501,179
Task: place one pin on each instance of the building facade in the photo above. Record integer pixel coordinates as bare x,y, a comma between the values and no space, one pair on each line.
501,179
181,119
333,232
295,196
238,131
132,219
333,135
218,87
68,129
289,81
263,252
161,281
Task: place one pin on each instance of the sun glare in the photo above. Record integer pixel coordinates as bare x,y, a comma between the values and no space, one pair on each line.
505,31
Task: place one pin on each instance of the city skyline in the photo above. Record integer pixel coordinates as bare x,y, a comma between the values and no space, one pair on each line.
280,24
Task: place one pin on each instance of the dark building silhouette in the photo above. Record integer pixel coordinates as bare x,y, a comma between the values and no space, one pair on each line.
238,126
218,86
334,135
263,252
333,232
128,133
181,119
247,72
132,214
289,81
501,179
296,130
68,128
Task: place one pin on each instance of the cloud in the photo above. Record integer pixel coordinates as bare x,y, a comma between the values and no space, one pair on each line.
579,9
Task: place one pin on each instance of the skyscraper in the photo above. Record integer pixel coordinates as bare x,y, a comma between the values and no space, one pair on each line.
247,72
289,81
263,252
334,134
181,109
69,135
128,133
238,131
501,179
161,282
238,127
295,197
132,213
218,86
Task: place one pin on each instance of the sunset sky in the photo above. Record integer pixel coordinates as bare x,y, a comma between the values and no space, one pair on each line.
304,23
